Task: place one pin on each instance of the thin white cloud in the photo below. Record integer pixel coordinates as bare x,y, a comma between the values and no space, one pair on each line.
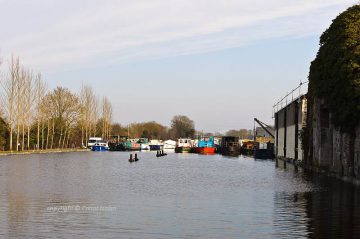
51,35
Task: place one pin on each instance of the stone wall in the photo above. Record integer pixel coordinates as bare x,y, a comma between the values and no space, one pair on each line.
333,151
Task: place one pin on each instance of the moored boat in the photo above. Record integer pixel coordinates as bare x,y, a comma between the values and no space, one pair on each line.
169,144
230,146
183,146
205,145
134,144
156,144
101,145
144,144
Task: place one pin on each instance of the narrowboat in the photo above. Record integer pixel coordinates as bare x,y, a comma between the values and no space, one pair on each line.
116,143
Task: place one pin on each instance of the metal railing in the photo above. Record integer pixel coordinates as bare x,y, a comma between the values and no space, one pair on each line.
296,93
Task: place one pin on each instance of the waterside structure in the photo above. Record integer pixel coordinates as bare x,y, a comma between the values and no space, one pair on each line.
328,149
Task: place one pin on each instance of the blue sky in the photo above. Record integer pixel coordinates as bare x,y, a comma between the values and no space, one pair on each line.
221,63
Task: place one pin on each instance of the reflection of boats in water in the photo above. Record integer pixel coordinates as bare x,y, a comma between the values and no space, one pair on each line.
183,146
229,145
100,145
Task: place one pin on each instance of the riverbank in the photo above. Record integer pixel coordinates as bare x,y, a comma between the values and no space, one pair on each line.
45,151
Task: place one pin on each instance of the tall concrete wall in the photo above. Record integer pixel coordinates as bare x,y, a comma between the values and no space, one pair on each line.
289,122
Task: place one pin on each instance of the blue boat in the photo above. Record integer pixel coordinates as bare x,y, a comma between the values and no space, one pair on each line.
100,146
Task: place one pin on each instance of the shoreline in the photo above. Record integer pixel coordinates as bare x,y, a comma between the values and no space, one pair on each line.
45,151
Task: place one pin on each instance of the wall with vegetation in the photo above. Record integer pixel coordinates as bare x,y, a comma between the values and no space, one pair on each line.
331,137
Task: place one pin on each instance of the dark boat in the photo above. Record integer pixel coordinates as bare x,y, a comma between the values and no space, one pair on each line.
264,154
229,145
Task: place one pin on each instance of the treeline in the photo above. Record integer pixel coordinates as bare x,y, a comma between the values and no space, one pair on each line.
181,127
33,117
241,133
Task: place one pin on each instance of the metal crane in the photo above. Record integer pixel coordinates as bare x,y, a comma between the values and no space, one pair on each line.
264,126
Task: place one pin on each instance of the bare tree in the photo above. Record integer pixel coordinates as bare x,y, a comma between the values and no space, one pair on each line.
88,113
9,84
63,107
106,117
40,90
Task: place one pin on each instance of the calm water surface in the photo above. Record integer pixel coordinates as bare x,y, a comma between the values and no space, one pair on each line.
102,195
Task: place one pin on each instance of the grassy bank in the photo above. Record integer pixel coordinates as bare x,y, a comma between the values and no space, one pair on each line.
47,151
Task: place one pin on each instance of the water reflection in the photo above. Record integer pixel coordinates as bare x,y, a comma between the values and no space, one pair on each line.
177,196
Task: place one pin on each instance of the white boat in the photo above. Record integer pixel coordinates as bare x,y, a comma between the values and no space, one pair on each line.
144,144
169,144
156,144
92,141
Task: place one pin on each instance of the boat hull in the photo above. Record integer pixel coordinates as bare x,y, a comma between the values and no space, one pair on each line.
99,148
264,154
182,149
155,147
205,150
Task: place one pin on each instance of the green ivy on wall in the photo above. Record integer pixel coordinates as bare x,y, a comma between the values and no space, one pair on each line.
335,73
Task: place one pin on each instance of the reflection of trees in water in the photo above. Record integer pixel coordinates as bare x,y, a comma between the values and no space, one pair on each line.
17,213
332,211
335,210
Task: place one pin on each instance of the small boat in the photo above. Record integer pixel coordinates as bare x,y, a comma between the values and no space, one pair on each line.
156,144
134,144
169,144
92,141
100,146
183,146
144,144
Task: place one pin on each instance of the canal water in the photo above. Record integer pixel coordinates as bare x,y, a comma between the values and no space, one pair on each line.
102,195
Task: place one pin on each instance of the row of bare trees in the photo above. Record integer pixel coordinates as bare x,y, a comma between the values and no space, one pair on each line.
37,118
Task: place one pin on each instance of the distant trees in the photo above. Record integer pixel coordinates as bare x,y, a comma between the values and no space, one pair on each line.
182,127
151,130
118,129
242,133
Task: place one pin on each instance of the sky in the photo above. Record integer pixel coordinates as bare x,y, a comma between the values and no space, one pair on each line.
220,62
